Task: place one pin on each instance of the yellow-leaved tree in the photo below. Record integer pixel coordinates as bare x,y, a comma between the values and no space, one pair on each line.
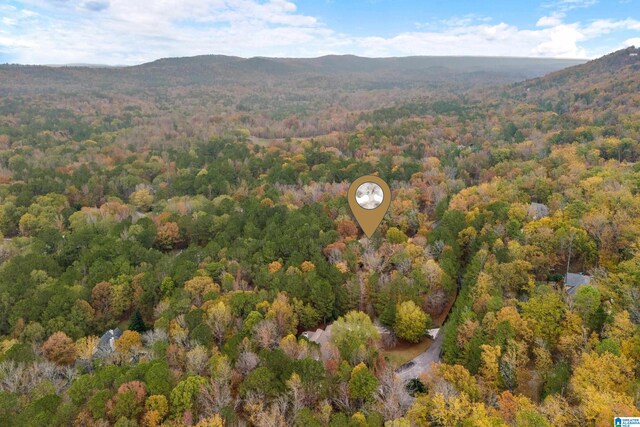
129,341
86,346
601,382
411,322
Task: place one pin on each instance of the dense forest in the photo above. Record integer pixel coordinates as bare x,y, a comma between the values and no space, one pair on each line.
174,233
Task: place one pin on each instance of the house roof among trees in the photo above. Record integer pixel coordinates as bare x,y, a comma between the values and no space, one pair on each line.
106,343
574,280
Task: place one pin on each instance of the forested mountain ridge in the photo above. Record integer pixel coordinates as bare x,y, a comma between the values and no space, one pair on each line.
214,249
217,69
269,96
601,80
618,63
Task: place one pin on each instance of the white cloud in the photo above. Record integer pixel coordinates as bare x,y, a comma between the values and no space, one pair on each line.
632,42
8,21
131,32
453,21
488,40
553,39
566,5
606,26
551,20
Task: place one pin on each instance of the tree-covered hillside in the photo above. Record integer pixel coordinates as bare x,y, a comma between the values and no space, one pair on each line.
177,221
170,99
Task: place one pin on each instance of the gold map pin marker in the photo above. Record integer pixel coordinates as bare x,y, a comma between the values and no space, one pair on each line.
369,199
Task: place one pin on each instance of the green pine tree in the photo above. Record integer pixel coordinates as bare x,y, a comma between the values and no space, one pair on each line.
136,323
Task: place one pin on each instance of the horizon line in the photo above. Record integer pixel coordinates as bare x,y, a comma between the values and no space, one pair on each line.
98,65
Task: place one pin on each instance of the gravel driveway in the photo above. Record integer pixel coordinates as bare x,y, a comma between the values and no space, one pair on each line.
422,362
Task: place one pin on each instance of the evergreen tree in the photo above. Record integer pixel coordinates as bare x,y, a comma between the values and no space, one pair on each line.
136,323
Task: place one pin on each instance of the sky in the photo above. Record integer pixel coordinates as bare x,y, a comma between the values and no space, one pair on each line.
128,32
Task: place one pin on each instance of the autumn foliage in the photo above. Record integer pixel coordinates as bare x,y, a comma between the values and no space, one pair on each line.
152,200
59,349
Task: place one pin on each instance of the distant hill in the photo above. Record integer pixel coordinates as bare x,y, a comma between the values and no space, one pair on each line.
617,73
271,97
340,64
219,70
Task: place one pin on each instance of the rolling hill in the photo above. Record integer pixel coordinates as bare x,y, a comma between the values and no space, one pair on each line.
220,70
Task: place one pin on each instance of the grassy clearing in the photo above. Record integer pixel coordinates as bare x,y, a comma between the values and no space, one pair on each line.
404,352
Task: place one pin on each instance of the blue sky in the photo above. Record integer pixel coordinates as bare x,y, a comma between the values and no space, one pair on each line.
135,31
